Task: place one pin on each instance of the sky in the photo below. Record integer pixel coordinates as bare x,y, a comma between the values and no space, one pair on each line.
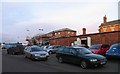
18,16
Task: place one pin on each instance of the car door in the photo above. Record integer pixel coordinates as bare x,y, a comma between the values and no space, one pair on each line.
27,51
103,49
73,58
65,54
115,49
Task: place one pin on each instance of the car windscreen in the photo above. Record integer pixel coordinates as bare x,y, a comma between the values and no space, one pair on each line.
94,47
35,49
83,51
115,46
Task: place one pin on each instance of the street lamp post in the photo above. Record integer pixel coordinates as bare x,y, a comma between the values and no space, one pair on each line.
28,37
41,36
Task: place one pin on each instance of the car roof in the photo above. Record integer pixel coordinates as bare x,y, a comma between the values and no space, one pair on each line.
33,46
73,47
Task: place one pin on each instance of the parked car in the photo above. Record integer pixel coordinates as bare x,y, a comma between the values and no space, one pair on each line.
99,48
7,45
52,49
80,55
35,53
114,51
15,49
44,47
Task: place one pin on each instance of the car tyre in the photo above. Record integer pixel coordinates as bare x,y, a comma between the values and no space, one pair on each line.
84,64
7,52
13,53
60,59
50,52
25,56
31,57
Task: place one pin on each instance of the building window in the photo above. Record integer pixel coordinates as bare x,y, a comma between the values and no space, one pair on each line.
72,32
104,29
68,32
112,29
58,32
55,33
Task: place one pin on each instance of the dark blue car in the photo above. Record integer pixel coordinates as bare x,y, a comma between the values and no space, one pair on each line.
114,51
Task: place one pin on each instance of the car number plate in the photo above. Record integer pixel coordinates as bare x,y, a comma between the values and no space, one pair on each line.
103,62
42,56
112,54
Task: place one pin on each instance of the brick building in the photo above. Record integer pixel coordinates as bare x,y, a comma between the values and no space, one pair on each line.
44,39
109,26
88,39
64,32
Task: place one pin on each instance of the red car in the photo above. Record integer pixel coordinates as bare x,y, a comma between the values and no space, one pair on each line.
99,48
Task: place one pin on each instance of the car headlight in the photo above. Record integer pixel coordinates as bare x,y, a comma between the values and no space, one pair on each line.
93,60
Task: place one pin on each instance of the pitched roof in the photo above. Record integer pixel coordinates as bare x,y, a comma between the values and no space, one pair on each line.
111,22
63,29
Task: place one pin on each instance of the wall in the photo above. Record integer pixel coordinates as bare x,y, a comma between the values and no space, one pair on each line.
96,38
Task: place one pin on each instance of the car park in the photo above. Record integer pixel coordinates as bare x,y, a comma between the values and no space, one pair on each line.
80,55
35,53
99,48
114,51
16,48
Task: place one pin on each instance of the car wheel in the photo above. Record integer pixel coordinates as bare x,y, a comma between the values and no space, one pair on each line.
31,57
50,52
83,64
13,53
60,60
7,52
25,56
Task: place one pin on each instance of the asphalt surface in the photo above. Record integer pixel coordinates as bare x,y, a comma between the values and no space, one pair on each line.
17,63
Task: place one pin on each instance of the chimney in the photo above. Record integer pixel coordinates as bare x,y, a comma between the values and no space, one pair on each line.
104,19
84,31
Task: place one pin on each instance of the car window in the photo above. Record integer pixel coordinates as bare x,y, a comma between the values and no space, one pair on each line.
73,51
115,46
60,49
83,51
50,47
93,47
27,48
104,46
66,50
35,49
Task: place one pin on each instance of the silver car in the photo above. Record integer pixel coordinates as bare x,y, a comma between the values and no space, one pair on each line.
52,49
35,53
